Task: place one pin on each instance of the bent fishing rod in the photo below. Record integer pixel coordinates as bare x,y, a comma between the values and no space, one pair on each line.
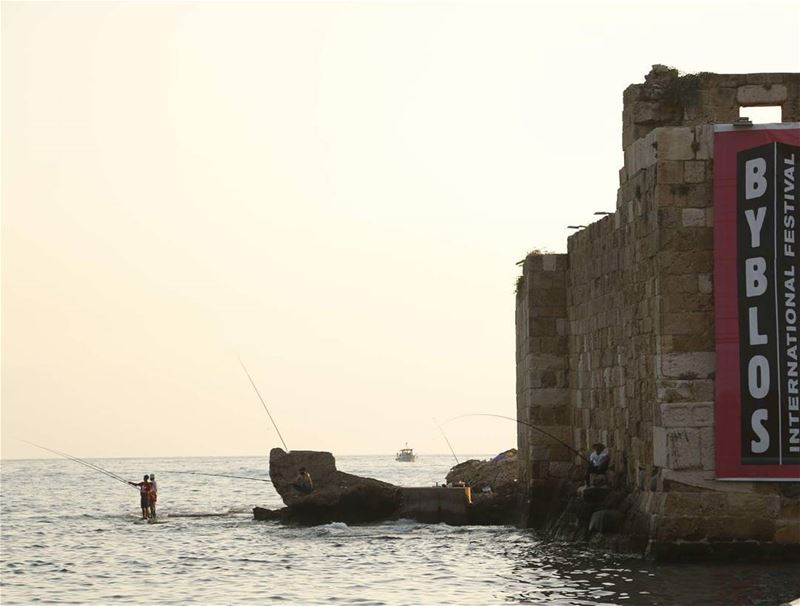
448,441
539,429
80,461
264,404
221,475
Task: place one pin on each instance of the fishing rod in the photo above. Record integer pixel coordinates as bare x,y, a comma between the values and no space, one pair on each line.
448,441
94,466
264,404
222,475
540,430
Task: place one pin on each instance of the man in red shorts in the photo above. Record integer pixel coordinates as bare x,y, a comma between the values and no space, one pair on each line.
144,493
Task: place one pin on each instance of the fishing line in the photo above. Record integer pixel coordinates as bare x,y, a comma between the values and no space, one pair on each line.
549,435
448,441
110,474
264,404
221,475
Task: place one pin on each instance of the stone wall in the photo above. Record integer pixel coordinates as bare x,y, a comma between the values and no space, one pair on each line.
665,99
542,367
615,340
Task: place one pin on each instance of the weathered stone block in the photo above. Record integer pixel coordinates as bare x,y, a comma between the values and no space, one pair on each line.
674,391
647,112
684,194
722,97
670,171
549,262
675,415
677,284
731,527
759,94
694,171
697,365
686,262
751,504
705,283
683,528
674,143
707,448
694,217
702,414
703,144
685,323
549,397
703,390
787,532
683,448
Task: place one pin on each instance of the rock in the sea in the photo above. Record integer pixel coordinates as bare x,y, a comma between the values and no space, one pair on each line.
494,485
336,496
499,474
263,514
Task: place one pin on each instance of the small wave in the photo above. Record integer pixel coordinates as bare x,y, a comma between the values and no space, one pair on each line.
201,514
332,528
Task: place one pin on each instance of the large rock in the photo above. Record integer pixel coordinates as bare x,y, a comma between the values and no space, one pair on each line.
337,496
499,474
494,485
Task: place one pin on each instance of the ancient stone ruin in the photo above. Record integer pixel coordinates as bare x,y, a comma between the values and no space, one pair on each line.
616,344
342,497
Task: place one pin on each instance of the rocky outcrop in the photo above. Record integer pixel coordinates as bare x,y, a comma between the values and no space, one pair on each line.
499,474
342,497
494,485
336,496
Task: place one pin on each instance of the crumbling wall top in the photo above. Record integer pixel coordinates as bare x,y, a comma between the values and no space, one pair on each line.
667,98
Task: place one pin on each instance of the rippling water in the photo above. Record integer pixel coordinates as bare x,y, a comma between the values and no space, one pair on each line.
70,535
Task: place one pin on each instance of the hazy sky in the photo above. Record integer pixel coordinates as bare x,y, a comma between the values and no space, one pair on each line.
336,191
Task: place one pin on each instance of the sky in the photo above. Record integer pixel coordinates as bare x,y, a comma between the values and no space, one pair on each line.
336,192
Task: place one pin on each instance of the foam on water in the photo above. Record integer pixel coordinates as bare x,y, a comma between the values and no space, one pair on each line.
71,535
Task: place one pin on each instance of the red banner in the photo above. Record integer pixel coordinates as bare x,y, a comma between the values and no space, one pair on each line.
756,245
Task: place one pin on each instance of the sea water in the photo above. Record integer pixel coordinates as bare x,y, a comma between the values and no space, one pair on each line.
70,535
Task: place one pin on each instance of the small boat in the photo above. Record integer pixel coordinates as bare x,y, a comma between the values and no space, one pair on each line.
406,455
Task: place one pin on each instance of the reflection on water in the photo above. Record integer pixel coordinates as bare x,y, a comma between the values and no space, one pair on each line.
562,574
70,535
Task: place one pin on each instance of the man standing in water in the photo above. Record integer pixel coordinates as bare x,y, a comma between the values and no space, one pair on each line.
144,494
153,495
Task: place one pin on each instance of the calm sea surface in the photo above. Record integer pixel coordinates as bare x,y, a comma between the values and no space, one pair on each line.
72,536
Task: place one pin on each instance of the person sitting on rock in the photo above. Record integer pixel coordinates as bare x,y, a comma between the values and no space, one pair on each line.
303,481
598,462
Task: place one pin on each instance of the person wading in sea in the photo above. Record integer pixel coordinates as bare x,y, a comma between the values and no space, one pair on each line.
144,494
153,495
598,461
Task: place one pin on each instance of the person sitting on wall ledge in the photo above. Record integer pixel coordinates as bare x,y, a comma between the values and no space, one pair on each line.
598,462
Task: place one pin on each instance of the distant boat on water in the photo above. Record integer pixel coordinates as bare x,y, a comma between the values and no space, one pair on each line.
406,455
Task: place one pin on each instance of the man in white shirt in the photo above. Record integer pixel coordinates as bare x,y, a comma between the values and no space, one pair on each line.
598,461
153,495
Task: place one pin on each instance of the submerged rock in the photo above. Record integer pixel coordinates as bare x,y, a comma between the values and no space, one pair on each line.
336,496
263,514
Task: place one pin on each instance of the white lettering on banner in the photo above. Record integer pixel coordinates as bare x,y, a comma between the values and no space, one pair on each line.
758,377
790,304
755,181
755,278
757,421
755,337
755,220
